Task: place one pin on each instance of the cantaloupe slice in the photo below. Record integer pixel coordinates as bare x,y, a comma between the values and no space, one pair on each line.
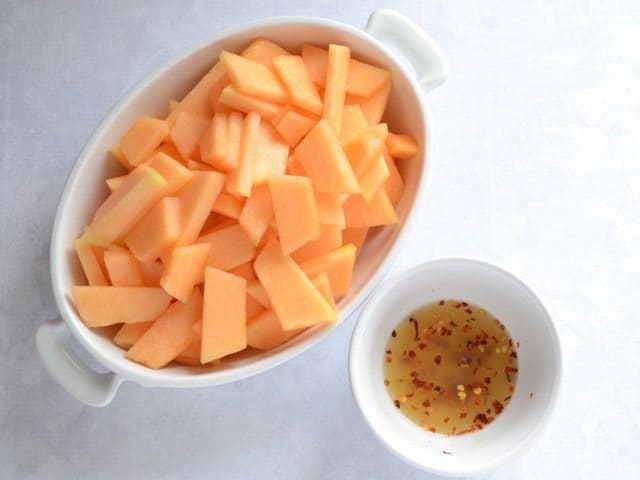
174,172
156,232
374,106
224,316
127,210
355,236
263,51
336,85
184,270
295,211
228,205
253,78
90,258
253,307
170,334
294,75
378,211
170,149
330,209
329,239
353,120
144,136
240,180
394,186
123,268
196,166
321,281
363,79
293,126
402,146
247,104
130,333
296,301
151,273
214,144
114,182
264,331
190,356
196,201
234,137
230,247
373,178
257,213
130,181
245,271
116,152
186,132
324,161
101,306
294,167
271,154
337,264
256,291
364,147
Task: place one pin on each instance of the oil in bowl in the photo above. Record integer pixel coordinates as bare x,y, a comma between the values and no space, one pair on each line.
451,367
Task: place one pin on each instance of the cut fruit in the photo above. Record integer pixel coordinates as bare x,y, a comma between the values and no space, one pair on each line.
196,166
294,167
271,155
374,106
170,149
245,271
130,333
114,182
293,126
145,135
295,211
230,247
394,186
336,85
184,270
256,291
175,173
294,75
92,265
330,209
353,120
234,136
116,151
355,236
224,317
338,265
123,268
101,306
402,146
364,147
264,331
296,301
201,99
196,201
321,281
253,307
228,205
379,210
253,78
186,132
151,273
240,180
244,103
214,143
156,232
130,181
329,239
263,51
373,178
257,213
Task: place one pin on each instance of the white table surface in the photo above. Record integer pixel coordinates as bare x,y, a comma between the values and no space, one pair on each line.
536,168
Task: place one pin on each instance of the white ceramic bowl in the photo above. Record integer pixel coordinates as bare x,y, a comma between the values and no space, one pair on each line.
539,364
390,40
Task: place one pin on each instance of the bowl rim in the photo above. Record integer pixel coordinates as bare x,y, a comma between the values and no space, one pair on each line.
357,345
126,369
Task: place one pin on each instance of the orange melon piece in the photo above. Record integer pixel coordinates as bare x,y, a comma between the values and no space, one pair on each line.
201,100
214,144
373,178
330,209
263,51
321,281
337,264
295,211
174,172
257,213
116,151
92,265
234,136
378,211
196,201
293,126
329,239
194,165
144,136
230,247
271,154
402,146
240,180
294,75
322,157
265,332
170,334
256,291
114,182
123,268
294,167
353,120
394,186
190,356
364,147
151,273
130,180
355,236
224,315
130,333
296,301
101,306
127,210
253,78
253,307
170,149
245,271
156,232
247,104
228,205
374,106
186,132
184,270
336,85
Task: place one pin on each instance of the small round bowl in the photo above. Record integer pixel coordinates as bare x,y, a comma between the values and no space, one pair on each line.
539,364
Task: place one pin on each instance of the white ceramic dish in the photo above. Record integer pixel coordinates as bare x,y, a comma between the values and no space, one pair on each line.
390,40
539,364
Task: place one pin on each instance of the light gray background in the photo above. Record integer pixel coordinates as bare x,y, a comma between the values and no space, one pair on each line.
536,168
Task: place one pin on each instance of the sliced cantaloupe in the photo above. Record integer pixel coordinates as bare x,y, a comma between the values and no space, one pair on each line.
156,232
151,273
355,236
114,182
329,239
294,75
196,166
130,181
127,211
253,307
295,211
253,78
190,356
144,136
256,291
337,264
196,201
373,178
228,205
101,306
363,79
224,316
374,106
323,159
378,211
116,152
184,270
265,332
296,301
294,167
336,85
130,333
230,247
293,126
353,121
245,271
247,104
186,132
123,268
394,186
322,283
364,147
263,51
330,209
240,180
89,256
257,213
214,144
234,136
402,146
170,149
271,154
169,335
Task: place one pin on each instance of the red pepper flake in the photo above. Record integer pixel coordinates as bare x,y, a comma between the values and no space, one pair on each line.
497,407
388,359
437,359
426,403
453,324
393,334
441,302
468,310
465,304
446,420
415,325
463,414
386,381
388,352
508,370
481,418
458,305
487,380
396,403
514,354
409,395
422,346
432,429
506,399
